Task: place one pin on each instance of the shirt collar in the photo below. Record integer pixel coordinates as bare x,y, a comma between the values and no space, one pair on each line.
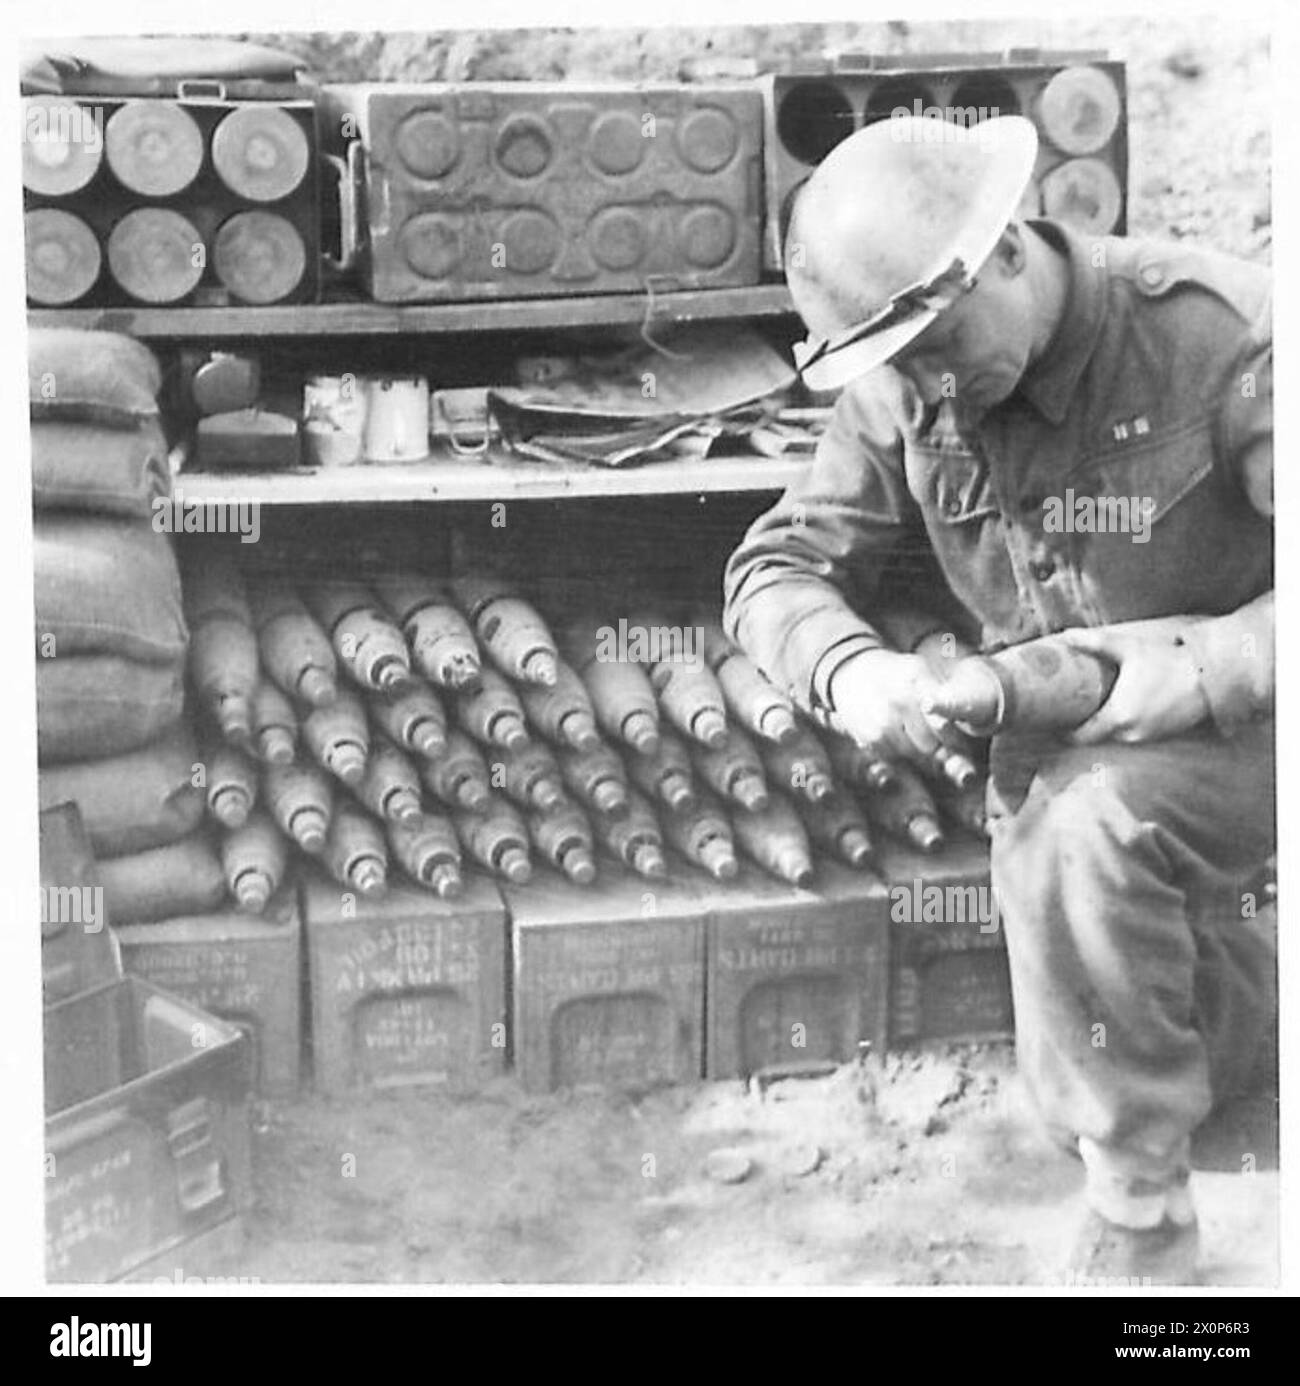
1051,381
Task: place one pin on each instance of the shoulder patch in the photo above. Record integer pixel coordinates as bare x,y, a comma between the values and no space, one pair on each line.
1244,286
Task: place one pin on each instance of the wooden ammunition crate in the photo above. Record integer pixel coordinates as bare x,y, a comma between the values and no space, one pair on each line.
797,978
608,981
949,976
409,989
245,968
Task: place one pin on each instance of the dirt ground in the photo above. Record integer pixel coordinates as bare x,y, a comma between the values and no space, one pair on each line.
929,1170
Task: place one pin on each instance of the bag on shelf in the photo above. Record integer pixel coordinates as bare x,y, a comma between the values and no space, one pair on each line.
85,466
132,802
95,705
150,65
106,586
182,878
91,377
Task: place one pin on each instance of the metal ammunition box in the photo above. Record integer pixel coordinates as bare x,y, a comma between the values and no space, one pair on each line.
807,115
517,189
146,1129
146,1095
407,989
608,981
245,968
796,978
949,974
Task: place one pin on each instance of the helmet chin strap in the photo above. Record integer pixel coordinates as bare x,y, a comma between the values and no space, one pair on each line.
938,292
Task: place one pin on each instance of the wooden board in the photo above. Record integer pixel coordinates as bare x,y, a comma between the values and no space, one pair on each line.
371,319
505,478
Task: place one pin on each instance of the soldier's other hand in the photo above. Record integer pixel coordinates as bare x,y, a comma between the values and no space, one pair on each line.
877,698
1158,691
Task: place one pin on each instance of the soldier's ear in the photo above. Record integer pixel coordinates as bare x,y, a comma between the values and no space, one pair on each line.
1009,253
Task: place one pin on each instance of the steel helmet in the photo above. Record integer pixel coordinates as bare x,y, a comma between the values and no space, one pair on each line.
892,227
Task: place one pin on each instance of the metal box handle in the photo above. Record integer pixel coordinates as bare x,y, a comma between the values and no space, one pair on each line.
200,89
349,172
200,1175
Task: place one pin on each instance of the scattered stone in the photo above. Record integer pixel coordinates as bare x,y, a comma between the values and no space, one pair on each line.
727,1165
801,1160
1184,63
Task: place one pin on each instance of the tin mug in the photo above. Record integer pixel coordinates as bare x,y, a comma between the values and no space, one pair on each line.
397,419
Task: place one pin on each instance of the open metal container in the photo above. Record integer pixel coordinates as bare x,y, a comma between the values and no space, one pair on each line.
146,1097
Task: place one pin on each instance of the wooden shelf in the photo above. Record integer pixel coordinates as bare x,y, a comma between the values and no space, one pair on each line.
505,478
381,319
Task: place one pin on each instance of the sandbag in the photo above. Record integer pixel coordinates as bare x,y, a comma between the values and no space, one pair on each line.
90,706
97,377
129,803
101,66
185,877
112,471
107,586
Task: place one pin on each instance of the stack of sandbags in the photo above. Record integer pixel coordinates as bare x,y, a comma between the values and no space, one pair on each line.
111,637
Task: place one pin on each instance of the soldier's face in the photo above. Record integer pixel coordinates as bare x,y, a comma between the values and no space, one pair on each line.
975,352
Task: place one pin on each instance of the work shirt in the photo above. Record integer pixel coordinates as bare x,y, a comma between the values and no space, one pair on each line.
1156,387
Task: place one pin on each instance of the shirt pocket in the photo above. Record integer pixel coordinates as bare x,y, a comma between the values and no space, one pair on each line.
1158,472
951,485
1155,549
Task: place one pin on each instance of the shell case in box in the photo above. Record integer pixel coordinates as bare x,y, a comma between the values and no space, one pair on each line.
202,199
1081,174
515,189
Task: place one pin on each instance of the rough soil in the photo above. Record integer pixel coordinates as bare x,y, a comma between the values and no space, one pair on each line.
930,1168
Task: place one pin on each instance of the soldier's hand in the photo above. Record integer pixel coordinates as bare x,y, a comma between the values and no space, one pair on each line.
1158,691
877,698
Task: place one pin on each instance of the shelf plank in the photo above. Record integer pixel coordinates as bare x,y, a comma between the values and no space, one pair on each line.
466,479
382,319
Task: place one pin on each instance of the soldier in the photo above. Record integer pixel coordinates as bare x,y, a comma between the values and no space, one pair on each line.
990,364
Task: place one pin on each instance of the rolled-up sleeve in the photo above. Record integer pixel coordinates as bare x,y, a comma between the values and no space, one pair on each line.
806,569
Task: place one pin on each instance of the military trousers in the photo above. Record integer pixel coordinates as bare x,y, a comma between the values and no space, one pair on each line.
1143,979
